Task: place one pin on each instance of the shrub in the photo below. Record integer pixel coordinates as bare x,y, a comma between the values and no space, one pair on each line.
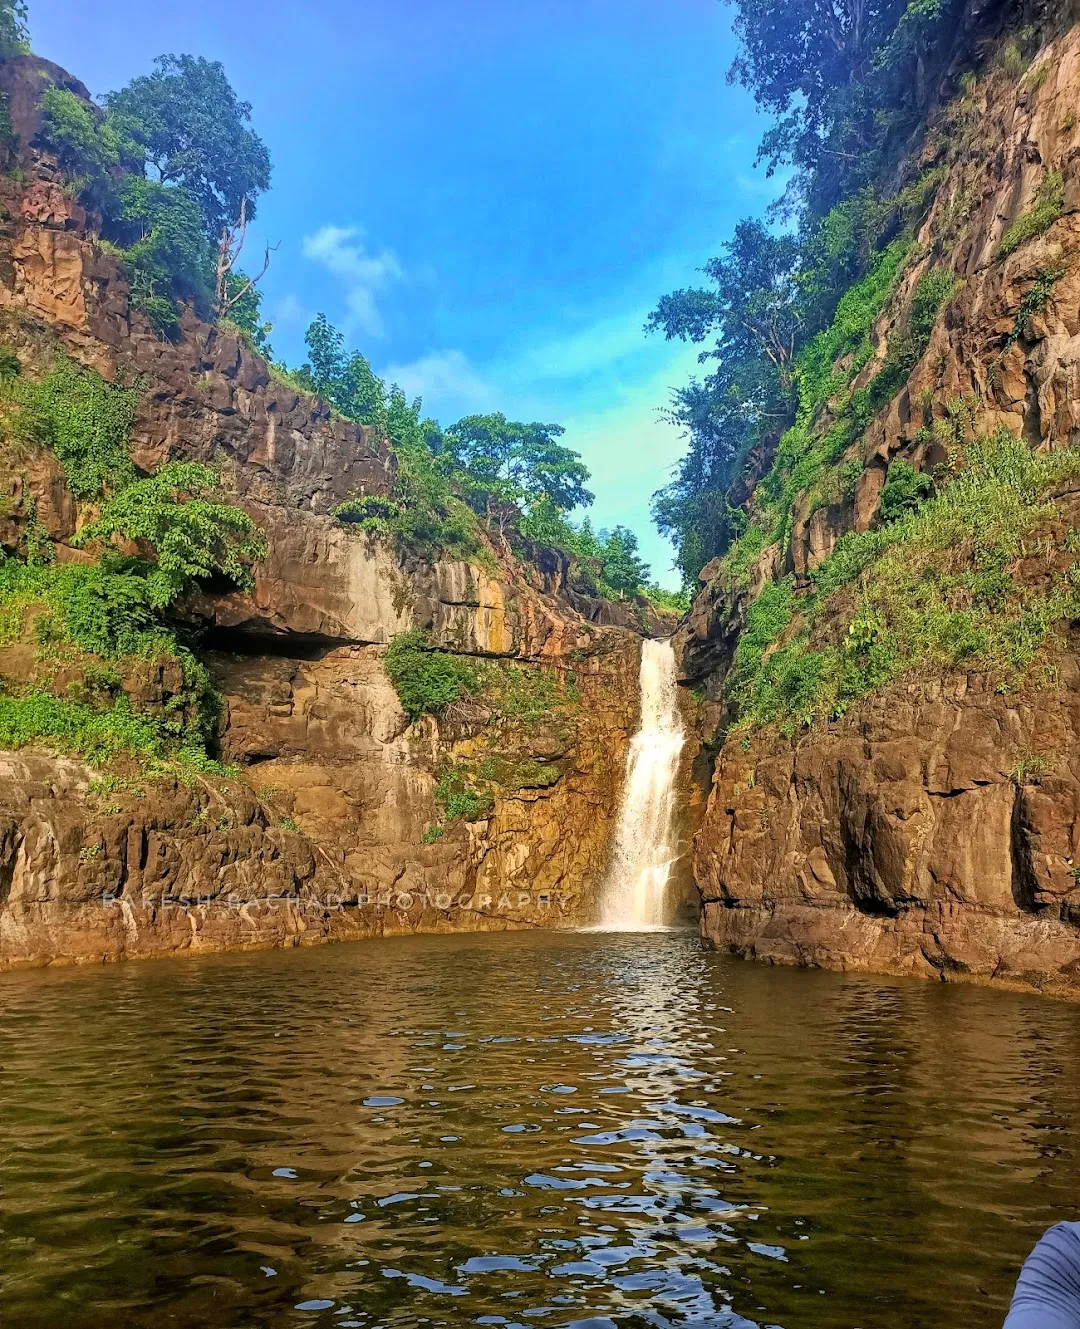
457,800
1012,60
677,602
371,511
426,679
904,489
83,419
178,514
1035,301
1047,208
89,151
766,619
906,348
932,587
164,252
75,726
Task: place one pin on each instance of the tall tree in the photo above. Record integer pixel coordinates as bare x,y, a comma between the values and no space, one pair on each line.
343,378
196,134
832,74
753,307
624,569
753,313
506,464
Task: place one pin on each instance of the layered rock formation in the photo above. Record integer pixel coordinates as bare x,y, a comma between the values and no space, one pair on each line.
333,829
935,828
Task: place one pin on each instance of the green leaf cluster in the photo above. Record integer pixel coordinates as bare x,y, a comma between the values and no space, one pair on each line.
904,489
14,38
178,514
107,615
426,679
79,416
172,164
809,451
1049,205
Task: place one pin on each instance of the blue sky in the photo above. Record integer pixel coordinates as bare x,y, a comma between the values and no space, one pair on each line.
487,196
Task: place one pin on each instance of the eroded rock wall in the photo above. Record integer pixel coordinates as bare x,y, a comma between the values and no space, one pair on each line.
333,829
935,829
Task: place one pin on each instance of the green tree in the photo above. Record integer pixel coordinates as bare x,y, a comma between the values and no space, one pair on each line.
343,379
195,135
14,38
505,465
753,307
165,252
176,172
839,77
754,313
624,570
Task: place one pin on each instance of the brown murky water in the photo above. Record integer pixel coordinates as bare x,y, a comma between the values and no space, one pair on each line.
519,1130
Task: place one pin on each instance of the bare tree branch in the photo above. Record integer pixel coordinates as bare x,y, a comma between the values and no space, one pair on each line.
229,250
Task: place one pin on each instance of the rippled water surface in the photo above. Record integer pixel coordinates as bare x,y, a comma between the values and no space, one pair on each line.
520,1130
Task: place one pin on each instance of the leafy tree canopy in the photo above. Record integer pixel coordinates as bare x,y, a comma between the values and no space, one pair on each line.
195,134
624,569
343,379
517,475
506,463
833,74
753,307
14,38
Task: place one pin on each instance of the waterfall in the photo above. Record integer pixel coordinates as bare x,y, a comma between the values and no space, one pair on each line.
643,851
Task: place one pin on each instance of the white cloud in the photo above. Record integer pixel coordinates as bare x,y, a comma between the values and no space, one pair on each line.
288,312
445,379
341,250
598,346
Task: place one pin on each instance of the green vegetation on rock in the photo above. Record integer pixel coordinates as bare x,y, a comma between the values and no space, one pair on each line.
80,417
427,680
176,170
1047,208
101,630
939,585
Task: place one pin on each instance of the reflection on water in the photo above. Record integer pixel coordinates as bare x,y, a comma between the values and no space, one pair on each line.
567,1129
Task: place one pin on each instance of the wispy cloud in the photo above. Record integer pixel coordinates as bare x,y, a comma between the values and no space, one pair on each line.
288,312
342,251
446,380
600,345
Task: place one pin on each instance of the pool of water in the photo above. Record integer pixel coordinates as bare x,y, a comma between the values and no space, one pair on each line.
520,1130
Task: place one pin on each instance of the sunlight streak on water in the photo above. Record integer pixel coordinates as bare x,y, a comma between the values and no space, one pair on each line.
553,1129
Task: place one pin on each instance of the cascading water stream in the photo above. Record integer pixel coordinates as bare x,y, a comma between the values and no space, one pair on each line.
634,897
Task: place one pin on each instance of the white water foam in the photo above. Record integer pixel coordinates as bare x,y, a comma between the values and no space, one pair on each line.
635,893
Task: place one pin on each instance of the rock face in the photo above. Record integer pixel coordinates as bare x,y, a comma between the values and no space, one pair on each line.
332,831
935,829
935,833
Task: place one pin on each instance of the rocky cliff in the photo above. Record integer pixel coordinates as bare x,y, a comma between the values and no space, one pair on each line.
335,823
929,823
